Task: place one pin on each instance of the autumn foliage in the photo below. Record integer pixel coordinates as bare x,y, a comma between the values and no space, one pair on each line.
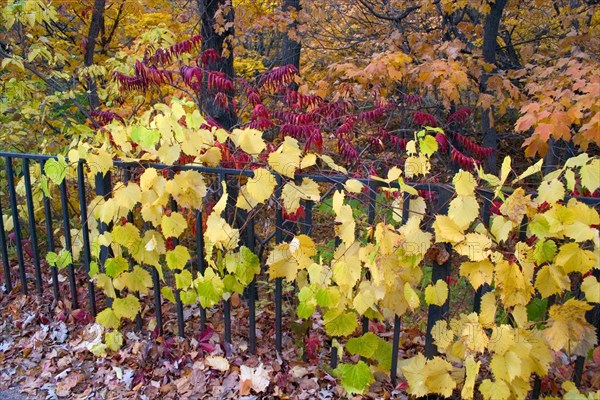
388,97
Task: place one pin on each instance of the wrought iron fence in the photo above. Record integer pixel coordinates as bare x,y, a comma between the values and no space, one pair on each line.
18,171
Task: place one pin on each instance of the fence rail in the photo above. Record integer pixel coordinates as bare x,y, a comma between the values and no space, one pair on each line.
28,239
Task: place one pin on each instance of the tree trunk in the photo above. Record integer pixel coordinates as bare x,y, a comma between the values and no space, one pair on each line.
90,46
490,33
211,39
290,48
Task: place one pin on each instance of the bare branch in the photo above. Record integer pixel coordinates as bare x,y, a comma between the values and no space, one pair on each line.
394,18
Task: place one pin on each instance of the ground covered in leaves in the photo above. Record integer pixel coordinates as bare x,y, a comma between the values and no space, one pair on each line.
44,354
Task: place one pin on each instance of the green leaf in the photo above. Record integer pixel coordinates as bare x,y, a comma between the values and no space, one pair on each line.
146,138
428,145
210,288
231,284
356,378
56,170
167,293
340,324
178,257
327,297
383,355
544,251
305,310
93,268
183,280
51,257
108,319
114,266
188,296
60,260
243,264
536,309
364,346
114,340
127,307
44,186
126,235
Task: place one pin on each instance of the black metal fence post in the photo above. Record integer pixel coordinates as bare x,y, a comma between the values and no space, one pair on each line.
440,271
5,261
10,177
32,226
103,187
49,235
87,257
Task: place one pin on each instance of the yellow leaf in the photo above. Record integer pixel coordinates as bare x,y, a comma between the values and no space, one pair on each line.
148,178
502,339
551,280
413,371
475,246
281,263
217,362
219,233
477,273
292,193
211,157
416,208
497,390
591,287
188,189
501,228
126,197
512,285
551,192
573,258
438,294
331,164
178,257
244,200
487,315
568,328
346,275
127,307
353,186
463,210
446,230
464,183
173,225
443,335
590,175
365,298
517,205
345,224
261,185
101,162
286,159
429,376
471,371
308,160
533,169
251,141
411,296
168,154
